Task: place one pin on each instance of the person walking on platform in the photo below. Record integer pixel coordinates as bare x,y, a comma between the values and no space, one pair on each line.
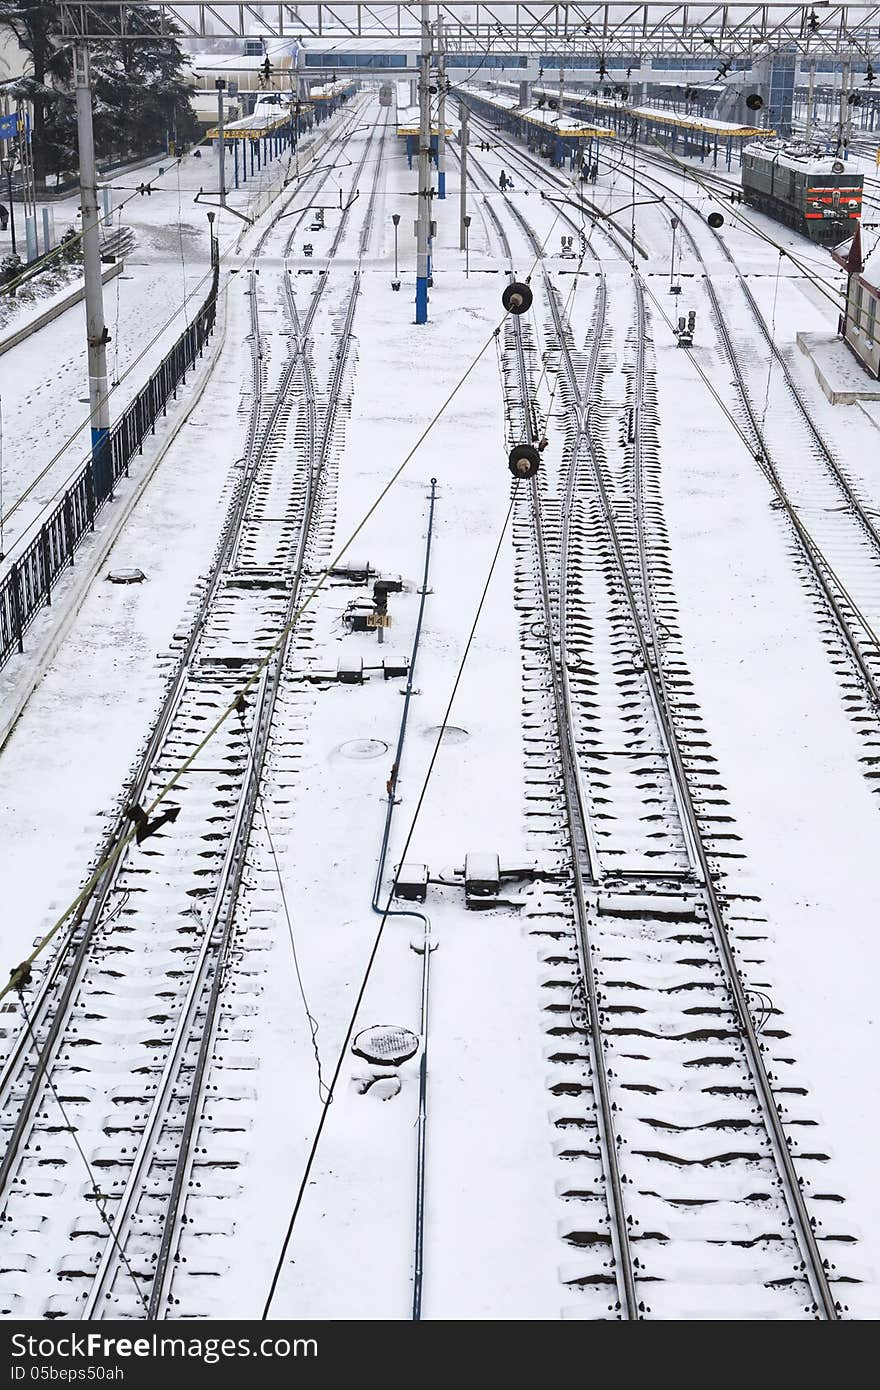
502,182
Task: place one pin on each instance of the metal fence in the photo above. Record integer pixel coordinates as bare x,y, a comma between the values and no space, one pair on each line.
30,580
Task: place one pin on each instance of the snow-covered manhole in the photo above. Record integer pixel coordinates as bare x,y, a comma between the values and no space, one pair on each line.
363,748
451,734
380,1087
385,1044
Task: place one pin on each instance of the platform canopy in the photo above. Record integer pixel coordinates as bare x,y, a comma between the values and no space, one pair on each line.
737,29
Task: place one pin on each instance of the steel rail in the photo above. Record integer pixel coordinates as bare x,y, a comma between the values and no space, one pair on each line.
227,893
257,442
273,678
132,792
583,849
849,496
816,1266
315,462
132,795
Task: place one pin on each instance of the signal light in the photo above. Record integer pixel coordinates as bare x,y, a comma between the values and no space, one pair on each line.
715,220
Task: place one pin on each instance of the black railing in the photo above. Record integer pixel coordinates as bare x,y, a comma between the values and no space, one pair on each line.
30,579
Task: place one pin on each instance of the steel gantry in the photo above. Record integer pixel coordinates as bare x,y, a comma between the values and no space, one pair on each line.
652,28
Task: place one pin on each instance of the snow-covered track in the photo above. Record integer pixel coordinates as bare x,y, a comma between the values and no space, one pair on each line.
134,992
672,1024
837,538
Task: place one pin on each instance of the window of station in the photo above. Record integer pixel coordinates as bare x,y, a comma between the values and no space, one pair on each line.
857,306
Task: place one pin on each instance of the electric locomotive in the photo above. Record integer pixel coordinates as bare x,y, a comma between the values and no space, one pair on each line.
385,94
798,184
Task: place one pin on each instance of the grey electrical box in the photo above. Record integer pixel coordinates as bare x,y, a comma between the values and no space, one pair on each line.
412,882
350,670
482,875
395,666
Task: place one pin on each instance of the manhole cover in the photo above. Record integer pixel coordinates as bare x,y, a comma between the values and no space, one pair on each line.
132,576
363,748
451,734
385,1044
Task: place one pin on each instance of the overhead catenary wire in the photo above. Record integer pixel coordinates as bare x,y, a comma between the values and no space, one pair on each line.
323,1090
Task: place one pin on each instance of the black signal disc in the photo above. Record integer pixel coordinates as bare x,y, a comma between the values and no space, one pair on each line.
524,461
517,298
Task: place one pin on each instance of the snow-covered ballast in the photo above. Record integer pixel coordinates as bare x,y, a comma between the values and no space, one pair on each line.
800,185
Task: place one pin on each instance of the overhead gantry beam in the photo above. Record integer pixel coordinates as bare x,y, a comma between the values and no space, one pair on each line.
738,29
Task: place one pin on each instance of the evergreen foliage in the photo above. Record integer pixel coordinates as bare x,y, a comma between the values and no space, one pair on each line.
141,96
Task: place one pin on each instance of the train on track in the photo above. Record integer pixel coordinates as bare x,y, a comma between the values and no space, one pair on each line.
385,94
797,184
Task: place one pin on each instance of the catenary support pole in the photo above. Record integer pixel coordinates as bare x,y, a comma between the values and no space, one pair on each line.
96,332
423,225
221,141
463,141
810,96
441,110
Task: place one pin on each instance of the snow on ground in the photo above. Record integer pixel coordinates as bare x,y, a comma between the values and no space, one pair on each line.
772,706
45,398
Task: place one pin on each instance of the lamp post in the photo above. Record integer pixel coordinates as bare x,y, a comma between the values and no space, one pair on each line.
8,166
467,252
395,218
211,234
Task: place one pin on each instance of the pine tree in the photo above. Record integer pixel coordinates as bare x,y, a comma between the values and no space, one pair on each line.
35,24
141,97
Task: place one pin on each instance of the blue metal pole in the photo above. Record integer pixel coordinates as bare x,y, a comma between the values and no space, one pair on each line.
422,299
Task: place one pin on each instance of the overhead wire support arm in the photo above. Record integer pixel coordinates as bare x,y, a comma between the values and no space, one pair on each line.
202,197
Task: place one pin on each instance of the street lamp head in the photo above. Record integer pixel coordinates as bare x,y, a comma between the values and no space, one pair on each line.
211,216
395,218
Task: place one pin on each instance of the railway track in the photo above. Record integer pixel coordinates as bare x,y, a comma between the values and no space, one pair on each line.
834,528
669,1022
135,993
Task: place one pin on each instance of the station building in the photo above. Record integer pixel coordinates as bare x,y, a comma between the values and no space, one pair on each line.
860,323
